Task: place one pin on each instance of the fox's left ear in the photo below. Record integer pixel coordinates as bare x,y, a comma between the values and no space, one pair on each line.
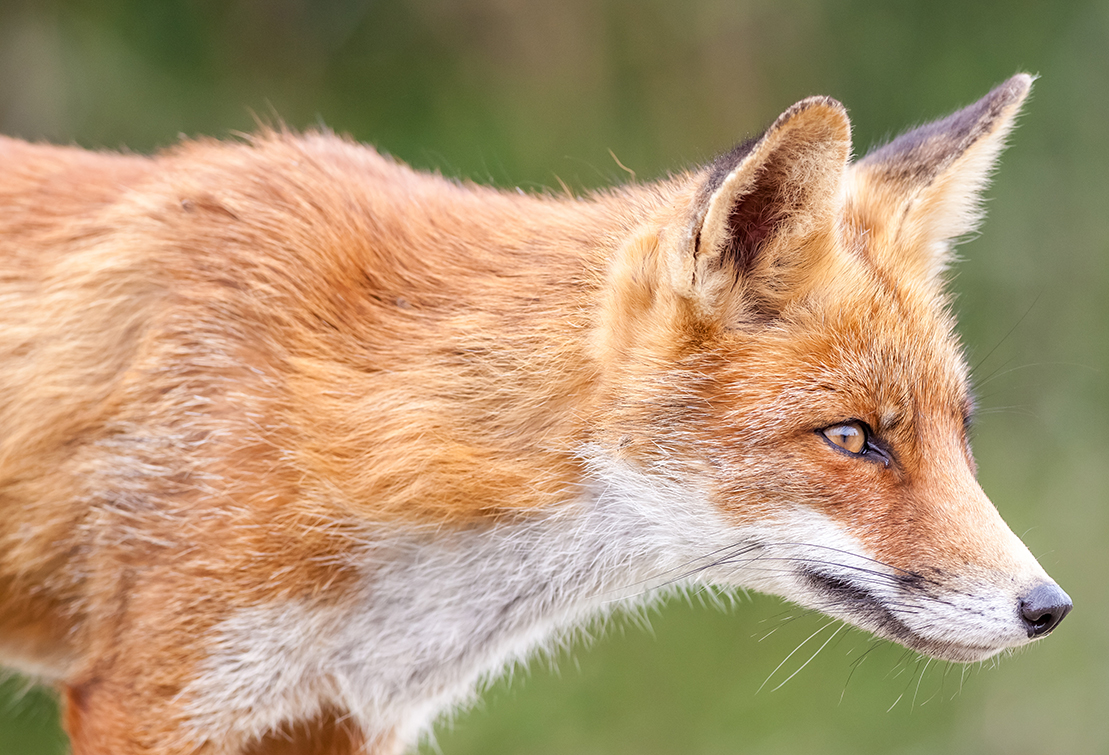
765,214
916,196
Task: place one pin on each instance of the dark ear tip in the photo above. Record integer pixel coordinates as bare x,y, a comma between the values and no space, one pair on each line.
829,104
820,115
818,101
1015,89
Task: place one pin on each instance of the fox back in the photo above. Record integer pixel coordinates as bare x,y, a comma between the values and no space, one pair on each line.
299,444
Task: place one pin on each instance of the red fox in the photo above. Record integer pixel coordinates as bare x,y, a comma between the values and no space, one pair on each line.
299,444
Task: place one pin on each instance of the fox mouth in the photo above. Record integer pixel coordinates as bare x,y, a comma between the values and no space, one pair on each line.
857,605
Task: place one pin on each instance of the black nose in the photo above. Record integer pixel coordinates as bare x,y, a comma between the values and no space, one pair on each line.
1043,608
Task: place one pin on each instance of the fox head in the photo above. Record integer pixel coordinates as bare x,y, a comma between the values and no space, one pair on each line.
785,350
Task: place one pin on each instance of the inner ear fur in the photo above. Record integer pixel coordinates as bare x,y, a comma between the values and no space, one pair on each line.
916,196
760,205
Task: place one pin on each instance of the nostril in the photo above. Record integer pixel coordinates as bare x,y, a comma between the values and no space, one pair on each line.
1043,608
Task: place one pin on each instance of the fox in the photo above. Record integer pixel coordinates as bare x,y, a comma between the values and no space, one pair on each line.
300,445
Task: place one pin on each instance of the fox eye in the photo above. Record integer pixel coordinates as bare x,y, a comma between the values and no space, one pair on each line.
850,436
855,438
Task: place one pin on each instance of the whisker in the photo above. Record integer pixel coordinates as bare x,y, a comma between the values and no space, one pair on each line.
785,618
840,628
908,684
850,553
1001,373
855,665
943,680
784,660
918,681
901,664
689,572
810,560
1016,325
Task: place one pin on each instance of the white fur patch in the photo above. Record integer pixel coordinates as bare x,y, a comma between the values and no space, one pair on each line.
438,610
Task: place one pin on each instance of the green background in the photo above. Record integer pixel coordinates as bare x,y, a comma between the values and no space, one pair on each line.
528,94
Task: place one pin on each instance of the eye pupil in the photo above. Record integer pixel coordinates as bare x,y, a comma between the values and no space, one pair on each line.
850,436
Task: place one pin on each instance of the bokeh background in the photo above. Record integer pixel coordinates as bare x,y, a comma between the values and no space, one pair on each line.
521,93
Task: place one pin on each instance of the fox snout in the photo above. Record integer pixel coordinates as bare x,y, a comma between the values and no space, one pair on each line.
933,615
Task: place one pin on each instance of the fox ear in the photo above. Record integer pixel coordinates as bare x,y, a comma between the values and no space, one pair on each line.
760,207
916,196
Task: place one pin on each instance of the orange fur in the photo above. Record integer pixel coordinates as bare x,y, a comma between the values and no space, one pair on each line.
255,382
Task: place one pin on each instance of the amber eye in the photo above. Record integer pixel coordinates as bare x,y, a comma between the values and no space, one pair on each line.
850,436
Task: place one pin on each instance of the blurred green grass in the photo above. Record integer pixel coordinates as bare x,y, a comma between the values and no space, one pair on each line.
533,93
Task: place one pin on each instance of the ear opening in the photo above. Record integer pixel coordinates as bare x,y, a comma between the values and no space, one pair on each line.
766,193
754,216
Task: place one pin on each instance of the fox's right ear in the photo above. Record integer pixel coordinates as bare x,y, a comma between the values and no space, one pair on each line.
765,212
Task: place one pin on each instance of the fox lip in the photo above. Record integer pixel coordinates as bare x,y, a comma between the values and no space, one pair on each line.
859,606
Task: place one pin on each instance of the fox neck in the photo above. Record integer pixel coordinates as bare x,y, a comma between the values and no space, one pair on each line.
438,611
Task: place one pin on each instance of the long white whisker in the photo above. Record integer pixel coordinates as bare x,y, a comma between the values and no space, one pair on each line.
806,663
784,660
918,681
